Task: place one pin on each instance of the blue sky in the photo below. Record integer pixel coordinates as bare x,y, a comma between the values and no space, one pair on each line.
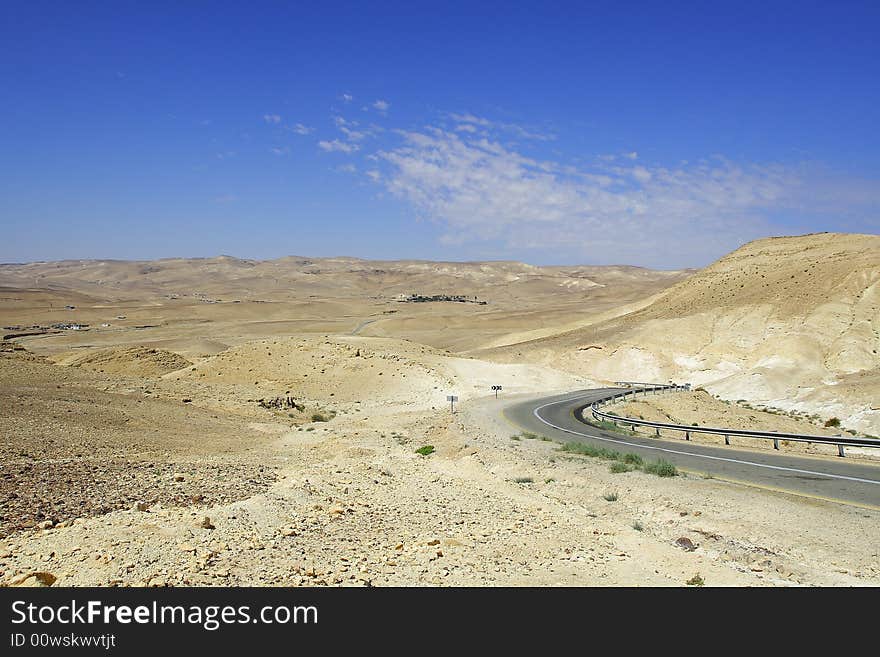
657,134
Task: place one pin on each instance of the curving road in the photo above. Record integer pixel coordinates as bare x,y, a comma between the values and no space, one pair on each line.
831,478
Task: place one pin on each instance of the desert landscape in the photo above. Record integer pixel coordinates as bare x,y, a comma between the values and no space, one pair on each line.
231,422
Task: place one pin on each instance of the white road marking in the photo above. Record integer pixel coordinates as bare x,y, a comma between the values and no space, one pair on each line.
683,453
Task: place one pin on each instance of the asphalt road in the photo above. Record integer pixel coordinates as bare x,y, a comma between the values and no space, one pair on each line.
837,479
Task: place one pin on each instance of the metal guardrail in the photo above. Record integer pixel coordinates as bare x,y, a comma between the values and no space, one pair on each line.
840,441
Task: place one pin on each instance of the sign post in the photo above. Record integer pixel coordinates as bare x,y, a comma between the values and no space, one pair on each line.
452,399
496,389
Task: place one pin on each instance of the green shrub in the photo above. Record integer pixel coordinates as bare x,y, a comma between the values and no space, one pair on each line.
523,480
660,468
610,497
633,459
696,580
590,450
617,467
638,526
833,422
425,450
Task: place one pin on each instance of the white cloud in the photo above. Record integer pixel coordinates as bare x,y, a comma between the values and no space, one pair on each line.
337,146
470,118
301,129
353,135
272,119
346,98
381,105
468,123
480,189
281,150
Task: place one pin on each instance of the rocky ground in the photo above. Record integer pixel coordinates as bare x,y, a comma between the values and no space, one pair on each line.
355,504
68,449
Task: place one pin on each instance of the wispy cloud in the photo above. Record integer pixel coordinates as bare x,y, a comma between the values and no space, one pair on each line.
381,106
468,122
346,98
272,119
337,146
281,150
301,129
622,210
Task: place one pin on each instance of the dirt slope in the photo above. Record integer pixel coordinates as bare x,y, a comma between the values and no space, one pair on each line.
787,321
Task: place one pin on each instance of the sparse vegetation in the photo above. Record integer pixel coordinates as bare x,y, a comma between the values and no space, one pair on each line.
610,497
661,468
625,462
529,435
321,417
696,580
425,450
523,480
832,422
638,526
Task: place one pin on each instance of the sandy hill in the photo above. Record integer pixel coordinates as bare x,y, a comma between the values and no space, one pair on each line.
788,321
374,372
230,277
177,304
131,361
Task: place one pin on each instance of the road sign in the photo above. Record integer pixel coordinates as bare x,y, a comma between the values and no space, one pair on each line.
496,389
452,399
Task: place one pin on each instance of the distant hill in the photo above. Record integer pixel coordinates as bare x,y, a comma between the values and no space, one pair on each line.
337,277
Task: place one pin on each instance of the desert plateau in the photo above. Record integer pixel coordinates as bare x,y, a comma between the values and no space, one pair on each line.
233,422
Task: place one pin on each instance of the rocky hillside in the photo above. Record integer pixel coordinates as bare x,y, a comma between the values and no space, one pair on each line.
789,321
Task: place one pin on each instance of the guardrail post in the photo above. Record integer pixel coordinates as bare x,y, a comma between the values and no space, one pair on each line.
726,439
841,451
658,431
776,443
687,435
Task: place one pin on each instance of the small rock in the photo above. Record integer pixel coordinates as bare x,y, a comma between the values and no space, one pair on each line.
186,547
34,580
46,524
177,477
686,544
436,541
205,523
141,506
